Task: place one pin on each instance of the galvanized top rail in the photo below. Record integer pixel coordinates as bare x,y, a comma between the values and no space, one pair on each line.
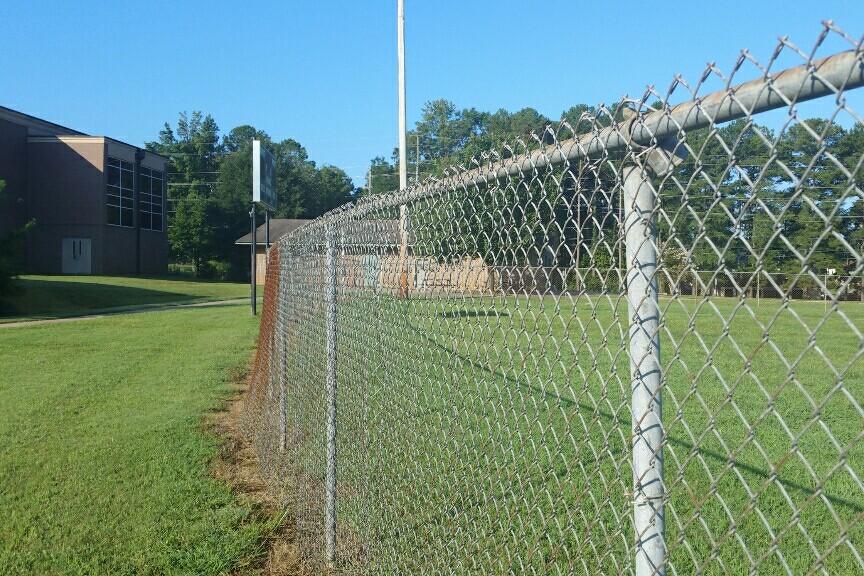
818,78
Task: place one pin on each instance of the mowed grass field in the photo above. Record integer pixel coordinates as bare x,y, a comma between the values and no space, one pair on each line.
492,435
104,463
37,297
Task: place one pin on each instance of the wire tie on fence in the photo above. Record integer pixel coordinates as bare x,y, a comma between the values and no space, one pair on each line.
645,500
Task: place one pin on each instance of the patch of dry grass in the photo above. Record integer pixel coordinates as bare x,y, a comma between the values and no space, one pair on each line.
237,465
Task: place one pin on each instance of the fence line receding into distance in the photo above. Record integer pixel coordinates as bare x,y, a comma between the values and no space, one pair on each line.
630,346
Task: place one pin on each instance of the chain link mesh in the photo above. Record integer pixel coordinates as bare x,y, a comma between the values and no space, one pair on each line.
492,348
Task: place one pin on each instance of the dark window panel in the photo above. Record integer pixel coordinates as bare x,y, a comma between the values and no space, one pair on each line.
114,215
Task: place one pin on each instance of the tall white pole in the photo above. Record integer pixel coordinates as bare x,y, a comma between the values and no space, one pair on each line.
403,163
403,158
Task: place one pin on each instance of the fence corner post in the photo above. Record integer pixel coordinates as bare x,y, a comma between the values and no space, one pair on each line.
640,200
644,338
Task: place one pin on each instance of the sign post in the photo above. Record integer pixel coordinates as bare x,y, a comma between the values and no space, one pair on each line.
254,283
263,193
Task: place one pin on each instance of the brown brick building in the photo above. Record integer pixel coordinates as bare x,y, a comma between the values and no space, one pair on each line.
99,204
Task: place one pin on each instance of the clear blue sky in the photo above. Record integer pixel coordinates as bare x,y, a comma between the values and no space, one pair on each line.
324,72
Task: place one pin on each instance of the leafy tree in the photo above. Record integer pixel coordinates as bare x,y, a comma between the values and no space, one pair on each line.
383,176
210,188
814,184
242,136
295,179
503,227
528,121
10,254
194,151
233,194
444,130
232,201
302,190
332,188
709,206
850,150
190,234
579,119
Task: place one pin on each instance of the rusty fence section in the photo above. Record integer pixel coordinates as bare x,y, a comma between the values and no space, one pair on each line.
632,346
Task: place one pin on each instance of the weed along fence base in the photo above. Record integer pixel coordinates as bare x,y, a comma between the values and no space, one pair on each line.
628,347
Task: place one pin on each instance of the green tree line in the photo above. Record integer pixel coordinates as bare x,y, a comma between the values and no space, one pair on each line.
210,190
746,196
446,139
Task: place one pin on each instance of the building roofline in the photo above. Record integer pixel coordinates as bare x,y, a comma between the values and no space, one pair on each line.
28,120
138,147
278,227
58,130
65,138
84,137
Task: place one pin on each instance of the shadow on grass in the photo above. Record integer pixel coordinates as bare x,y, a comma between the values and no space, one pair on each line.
43,299
715,456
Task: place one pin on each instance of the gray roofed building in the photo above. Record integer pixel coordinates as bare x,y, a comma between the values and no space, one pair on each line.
278,228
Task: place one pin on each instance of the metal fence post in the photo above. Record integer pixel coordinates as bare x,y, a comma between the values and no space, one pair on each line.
281,357
645,371
283,397
330,488
254,273
404,280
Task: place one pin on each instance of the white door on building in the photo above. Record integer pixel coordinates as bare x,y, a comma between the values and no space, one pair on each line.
76,256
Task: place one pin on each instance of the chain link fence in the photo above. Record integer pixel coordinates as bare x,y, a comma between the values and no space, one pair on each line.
636,349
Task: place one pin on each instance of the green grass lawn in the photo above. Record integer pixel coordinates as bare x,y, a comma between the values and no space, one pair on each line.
492,435
57,296
103,463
